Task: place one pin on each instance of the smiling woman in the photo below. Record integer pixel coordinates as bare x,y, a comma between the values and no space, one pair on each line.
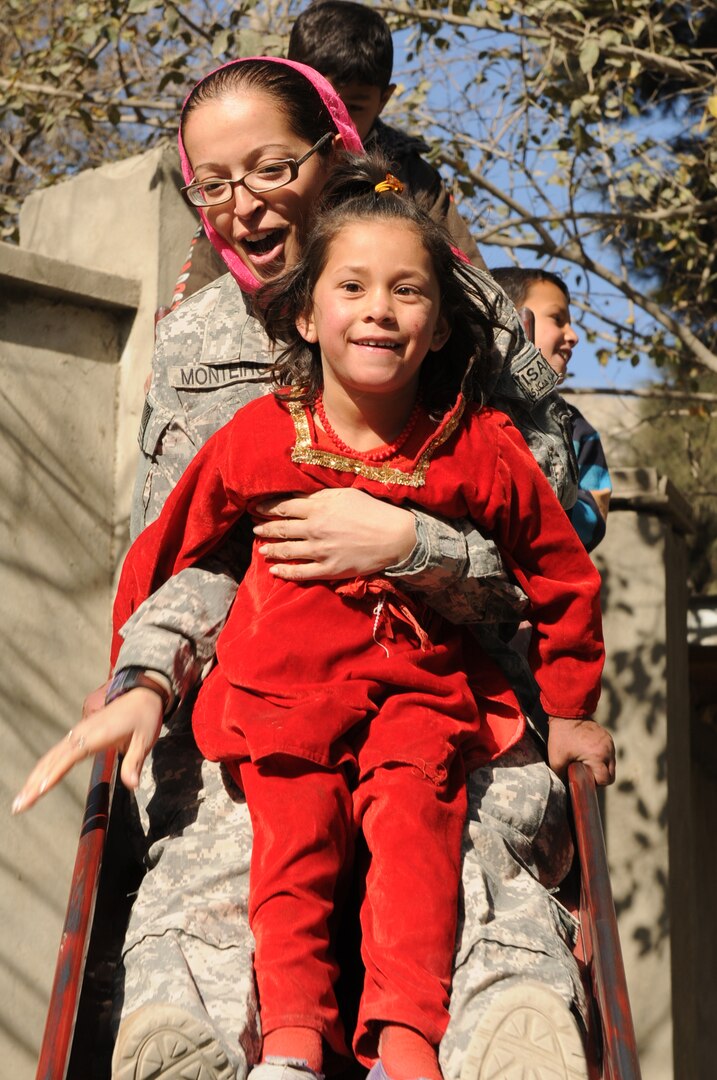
276,161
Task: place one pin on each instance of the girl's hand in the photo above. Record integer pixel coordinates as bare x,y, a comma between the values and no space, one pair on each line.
581,740
130,724
334,533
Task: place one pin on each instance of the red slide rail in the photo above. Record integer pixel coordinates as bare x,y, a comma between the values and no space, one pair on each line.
599,933
69,971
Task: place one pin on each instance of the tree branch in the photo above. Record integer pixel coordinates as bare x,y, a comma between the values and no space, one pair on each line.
700,73
159,105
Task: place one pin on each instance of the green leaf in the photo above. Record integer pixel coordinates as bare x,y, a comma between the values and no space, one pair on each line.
589,55
221,41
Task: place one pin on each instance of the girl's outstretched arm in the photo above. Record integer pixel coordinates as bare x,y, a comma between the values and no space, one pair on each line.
131,724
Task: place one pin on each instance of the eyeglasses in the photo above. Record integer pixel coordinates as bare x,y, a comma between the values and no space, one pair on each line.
268,177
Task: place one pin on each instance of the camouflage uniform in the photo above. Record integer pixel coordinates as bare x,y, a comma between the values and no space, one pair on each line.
188,940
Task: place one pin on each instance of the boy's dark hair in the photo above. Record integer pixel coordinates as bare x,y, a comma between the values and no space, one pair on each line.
345,42
515,281
297,98
462,364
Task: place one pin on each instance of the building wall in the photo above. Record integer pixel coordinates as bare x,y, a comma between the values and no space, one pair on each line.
645,704
98,254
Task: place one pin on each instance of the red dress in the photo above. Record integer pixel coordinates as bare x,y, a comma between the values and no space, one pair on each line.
344,705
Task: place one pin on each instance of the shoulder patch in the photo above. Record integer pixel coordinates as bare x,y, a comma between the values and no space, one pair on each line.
533,379
146,416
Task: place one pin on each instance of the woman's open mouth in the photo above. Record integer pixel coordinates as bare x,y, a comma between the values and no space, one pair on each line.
267,248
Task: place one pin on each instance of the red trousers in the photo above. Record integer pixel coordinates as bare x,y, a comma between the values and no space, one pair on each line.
305,818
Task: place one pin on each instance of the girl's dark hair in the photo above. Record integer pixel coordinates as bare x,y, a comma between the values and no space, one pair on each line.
299,101
515,281
350,196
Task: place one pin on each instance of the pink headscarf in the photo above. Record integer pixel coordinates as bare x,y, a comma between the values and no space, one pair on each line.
344,127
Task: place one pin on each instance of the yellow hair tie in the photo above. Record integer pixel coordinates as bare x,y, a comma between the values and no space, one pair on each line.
391,183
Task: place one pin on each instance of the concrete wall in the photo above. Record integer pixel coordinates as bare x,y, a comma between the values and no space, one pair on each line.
98,254
126,219
661,817
645,703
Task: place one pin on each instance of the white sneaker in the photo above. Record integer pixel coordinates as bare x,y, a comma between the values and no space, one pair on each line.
528,1033
284,1068
163,1042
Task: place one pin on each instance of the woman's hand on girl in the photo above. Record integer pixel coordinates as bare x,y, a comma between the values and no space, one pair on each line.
130,724
333,533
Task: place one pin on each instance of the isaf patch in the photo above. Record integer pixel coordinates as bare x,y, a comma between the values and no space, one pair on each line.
535,378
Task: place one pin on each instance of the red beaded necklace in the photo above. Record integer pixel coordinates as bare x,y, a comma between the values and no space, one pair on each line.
381,453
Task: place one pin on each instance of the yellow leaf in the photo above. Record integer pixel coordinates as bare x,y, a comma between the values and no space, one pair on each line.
712,105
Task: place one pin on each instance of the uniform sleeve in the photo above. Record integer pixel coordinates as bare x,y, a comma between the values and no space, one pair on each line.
198,514
548,561
459,573
175,630
165,445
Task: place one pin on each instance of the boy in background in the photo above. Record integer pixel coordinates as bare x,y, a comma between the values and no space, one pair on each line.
351,46
546,295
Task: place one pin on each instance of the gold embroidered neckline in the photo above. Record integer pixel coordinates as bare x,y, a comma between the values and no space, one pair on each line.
305,452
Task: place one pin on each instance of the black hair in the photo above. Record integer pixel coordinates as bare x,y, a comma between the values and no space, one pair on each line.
462,364
300,101
345,42
516,281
